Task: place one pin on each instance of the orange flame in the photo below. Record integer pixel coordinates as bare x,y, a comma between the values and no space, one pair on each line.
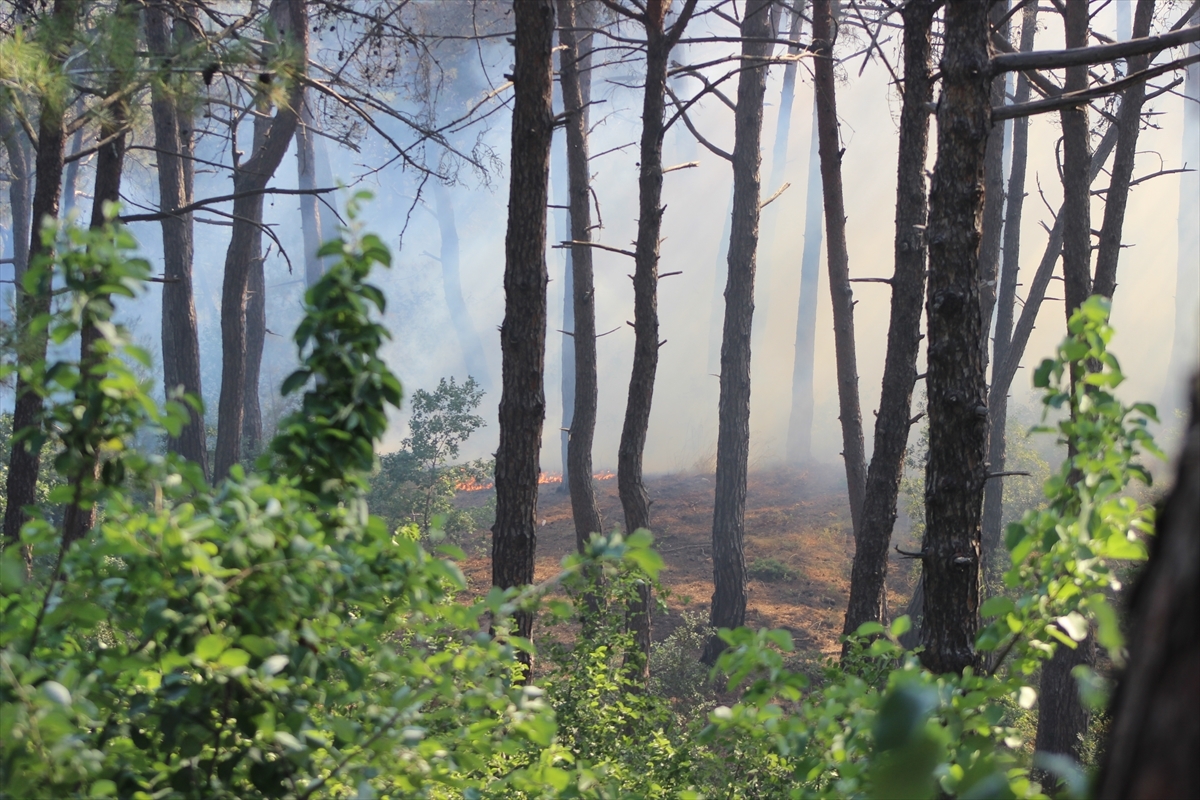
472,485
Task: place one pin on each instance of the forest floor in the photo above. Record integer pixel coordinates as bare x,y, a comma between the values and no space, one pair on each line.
797,518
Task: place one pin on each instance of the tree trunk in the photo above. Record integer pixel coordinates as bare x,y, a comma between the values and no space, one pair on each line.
717,314
733,432
474,358
252,175
523,334
80,515
256,321
1151,750
24,462
838,259
71,168
559,182
1187,277
180,333
993,190
19,189
575,78
955,379
799,450
868,590
993,496
310,204
1062,718
1129,124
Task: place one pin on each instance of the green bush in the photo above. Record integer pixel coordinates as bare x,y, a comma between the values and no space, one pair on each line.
769,570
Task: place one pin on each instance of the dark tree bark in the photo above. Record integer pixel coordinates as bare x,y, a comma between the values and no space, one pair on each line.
838,259
48,169
993,497
1129,124
635,500
799,449
80,515
868,592
523,334
733,432
306,180
993,190
240,259
955,379
1155,732
575,78
474,358
180,333
1062,717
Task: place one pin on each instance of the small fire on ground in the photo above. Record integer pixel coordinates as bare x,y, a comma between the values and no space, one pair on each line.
472,485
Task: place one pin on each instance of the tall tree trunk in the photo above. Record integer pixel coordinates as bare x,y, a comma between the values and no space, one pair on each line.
71,168
80,514
733,432
993,190
993,497
48,169
240,258
310,204
717,313
256,321
523,334
575,77
180,333
838,259
1062,717
1187,277
20,188
635,501
868,590
468,339
559,182
1151,750
955,380
1129,123
799,449
783,124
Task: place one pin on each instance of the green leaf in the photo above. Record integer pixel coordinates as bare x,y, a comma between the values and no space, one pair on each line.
900,626
210,646
995,606
871,628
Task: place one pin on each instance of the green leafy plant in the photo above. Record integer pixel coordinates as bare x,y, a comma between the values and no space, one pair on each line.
769,570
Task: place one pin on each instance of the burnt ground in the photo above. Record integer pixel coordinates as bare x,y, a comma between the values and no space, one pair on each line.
799,517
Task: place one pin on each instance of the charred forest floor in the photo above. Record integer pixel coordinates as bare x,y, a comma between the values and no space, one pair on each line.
797,518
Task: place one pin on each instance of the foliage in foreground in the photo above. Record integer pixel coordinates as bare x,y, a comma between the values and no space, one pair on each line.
270,638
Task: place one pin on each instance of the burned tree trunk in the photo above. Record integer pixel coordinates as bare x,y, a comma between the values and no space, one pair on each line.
838,259
575,78
733,432
24,461
523,334
180,334
240,258
868,592
955,380
1129,125
993,190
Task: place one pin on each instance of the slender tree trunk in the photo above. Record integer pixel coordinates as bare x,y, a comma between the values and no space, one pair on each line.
80,515
720,276
955,379
24,461
468,339
523,334
799,448
635,500
1062,717
71,170
559,181
1187,277
575,77
838,259
733,433
993,190
180,332
310,204
240,259
1151,749
1129,124
20,189
993,497
256,321
868,590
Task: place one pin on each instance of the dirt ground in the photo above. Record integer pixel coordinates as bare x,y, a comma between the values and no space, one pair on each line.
799,517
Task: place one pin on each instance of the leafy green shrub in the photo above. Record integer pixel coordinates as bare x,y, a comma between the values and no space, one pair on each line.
676,673
769,570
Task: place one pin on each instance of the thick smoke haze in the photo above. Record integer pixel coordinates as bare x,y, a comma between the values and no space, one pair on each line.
682,434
